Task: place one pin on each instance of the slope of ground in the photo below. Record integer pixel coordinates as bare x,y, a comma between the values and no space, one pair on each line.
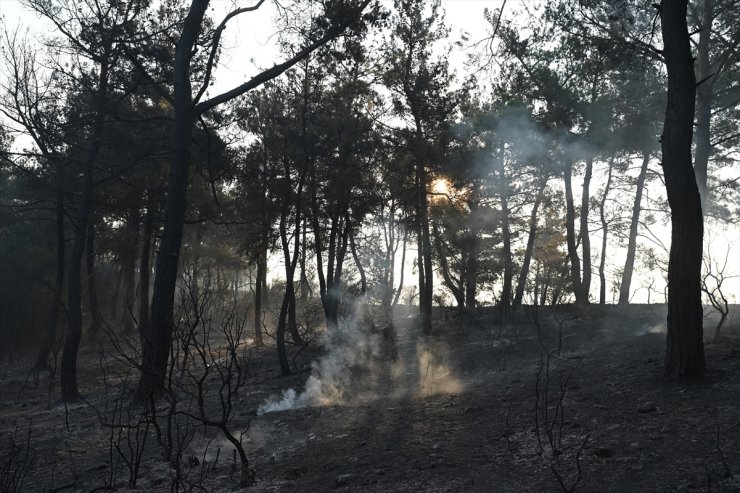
484,404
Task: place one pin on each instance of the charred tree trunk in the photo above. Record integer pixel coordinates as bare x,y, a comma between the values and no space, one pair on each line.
156,350
282,317
685,346
584,233
145,269
629,264
524,273
426,287
68,369
116,292
129,269
454,285
471,265
336,264
42,360
505,231
704,96
389,237
304,288
258,291
287,309
355,256
397,296
604,237
575,262
96,319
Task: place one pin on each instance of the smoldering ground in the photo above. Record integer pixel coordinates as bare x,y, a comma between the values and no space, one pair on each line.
361,363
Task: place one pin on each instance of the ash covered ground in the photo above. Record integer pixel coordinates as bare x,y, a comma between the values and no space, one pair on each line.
535,401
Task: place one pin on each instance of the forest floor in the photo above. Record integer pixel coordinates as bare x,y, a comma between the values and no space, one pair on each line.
478,406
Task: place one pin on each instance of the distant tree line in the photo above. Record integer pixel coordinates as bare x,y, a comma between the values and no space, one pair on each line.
359,151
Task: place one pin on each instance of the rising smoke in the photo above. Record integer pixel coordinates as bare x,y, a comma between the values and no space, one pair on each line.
351,353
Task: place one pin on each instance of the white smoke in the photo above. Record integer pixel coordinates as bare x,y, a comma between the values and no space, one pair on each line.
349,349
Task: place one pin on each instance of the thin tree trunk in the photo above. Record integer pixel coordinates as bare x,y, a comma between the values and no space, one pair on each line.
397,296
258,291
92,291
584,233
524,273
287,313
355,256
471,265
334,294
68,369
685,345
452,284
503,186
129,269
426,288
156,350
282,317
575,263
42,360
704,96
629,264
605,234
145,269
116,292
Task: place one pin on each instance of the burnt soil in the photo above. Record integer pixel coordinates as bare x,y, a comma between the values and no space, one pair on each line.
477,406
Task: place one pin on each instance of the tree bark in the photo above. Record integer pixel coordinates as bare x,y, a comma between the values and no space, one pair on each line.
42,359
575,263
684,355
355,256
454,285
156,350
503,187
604,236
426,287
128,264
145,269
629,264
92,291
68,369
471,265
704,96
524,273
585,236
258,291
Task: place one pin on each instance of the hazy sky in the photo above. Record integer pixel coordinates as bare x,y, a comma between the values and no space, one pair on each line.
250,45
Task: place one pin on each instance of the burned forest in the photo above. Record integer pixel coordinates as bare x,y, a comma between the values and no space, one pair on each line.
369,245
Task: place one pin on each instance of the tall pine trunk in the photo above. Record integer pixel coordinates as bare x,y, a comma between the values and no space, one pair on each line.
128,264
68,369
426,286
604,235
145,269
156,350
471,264
684,355
570,214
704,96
584,233
629,264
258,291
42,359
503,187
523,274
96,319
